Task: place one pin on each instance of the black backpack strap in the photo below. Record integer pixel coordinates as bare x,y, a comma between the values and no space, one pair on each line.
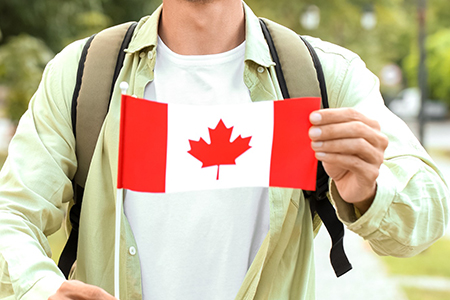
99,66
318,199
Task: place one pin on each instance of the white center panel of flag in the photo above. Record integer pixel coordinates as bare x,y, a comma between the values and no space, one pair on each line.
187,123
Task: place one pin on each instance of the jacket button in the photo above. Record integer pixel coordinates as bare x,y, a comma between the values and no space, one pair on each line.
260,70
150,54
132,251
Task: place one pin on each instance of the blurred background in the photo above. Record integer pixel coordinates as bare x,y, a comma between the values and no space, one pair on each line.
406,43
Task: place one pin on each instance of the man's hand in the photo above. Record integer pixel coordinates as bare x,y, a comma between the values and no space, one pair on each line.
351,148
73,289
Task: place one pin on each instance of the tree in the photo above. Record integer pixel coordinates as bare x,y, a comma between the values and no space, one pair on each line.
57,22
22,60
438,65
392,41
48,20
33,31
340,23
438,52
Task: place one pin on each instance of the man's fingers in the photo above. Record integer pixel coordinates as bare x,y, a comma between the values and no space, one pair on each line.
366,171
348,130
358,147
351,147
341,115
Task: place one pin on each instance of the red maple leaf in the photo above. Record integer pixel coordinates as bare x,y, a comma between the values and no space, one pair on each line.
221,151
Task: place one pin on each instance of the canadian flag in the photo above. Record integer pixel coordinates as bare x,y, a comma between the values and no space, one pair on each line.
173,148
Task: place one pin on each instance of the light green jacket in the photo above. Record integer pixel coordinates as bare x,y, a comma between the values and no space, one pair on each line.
408,214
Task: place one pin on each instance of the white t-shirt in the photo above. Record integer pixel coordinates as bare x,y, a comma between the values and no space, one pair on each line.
197,245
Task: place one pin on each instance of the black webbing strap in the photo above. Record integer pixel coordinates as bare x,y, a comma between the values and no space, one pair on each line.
318,199
121,57
335,228
69,253
77,88
276,59
320,75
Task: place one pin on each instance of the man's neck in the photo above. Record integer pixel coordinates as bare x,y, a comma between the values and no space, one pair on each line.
200,27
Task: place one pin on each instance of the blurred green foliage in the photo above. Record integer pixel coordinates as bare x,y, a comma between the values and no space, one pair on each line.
431,262
418,294
438,64
394,39
340,23
58,22
22,60
32,31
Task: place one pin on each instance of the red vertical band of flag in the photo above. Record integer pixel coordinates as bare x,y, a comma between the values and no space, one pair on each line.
142,145
292,162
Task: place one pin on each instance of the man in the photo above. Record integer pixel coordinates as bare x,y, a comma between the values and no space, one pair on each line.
250,243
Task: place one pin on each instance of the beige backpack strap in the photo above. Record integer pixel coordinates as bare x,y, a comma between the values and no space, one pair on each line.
99,66
295,61
90,105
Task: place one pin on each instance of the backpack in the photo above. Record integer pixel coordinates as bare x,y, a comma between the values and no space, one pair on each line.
299,74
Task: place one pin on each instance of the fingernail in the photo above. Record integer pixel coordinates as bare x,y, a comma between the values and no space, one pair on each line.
320,154
315,117
315,132
317,144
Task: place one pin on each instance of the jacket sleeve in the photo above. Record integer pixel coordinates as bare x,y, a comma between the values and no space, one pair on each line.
410,210
35,182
